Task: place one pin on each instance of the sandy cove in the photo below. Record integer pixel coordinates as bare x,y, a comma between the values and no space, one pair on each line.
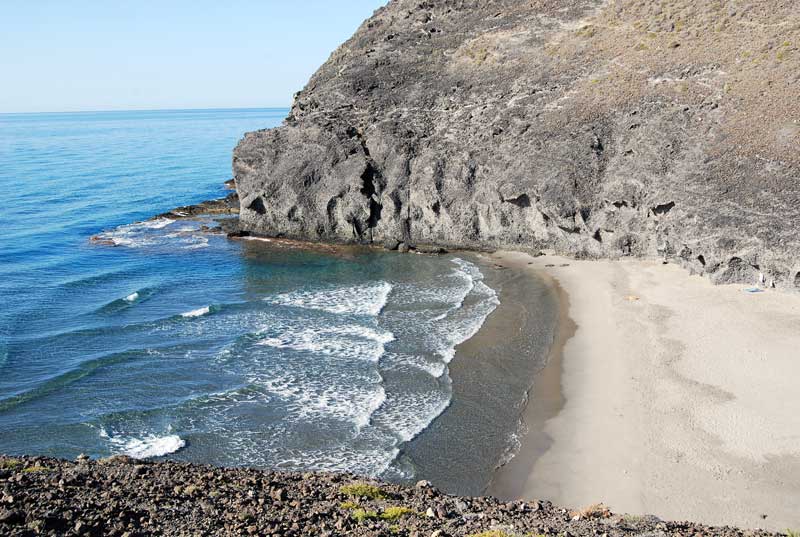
678,398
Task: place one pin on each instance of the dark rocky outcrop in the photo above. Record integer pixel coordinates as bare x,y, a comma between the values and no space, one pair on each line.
125,497
229,205
592,128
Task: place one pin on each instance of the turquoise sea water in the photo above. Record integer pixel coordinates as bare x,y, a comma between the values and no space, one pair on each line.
182,343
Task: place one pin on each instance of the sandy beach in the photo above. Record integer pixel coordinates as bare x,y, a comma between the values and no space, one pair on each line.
673,397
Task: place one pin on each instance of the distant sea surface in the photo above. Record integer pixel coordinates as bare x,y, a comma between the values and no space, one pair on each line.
185,344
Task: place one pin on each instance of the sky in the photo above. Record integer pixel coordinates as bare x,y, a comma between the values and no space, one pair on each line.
75,55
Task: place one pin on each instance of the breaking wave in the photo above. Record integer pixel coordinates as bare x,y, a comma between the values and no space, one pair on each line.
146,447
369,299
157,233
199,312
348,341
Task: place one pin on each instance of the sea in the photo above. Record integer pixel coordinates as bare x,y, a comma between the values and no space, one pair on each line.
165,339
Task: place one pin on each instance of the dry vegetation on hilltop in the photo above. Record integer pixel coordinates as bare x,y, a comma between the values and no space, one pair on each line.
742,57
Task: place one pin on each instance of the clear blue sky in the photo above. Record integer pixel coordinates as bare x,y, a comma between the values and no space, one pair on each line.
67,55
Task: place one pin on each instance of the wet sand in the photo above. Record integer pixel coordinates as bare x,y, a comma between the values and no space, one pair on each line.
491,374
680,398
544,401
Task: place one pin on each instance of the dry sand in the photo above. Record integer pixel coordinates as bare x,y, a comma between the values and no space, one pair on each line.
680,399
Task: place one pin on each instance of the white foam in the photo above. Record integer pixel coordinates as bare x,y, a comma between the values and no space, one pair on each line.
152,234
196,242
513,445
468,268
341,459
133,297
434,368
450,290
158,223
369,299
145,447
196,313
407,414
459,330
310,400
461,323
349,341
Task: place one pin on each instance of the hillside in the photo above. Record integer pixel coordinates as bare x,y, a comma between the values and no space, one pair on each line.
596,129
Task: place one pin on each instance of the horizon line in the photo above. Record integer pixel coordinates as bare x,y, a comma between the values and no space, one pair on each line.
118,110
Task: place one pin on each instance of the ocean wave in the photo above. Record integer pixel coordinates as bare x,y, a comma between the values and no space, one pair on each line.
147,446
96,279
136,235
153,234
309,400
445,293
457,331
365,462
199,312
158,223
367,299
196,242
349,341
71,376
513,445
135,297
462,323
434,368
408,413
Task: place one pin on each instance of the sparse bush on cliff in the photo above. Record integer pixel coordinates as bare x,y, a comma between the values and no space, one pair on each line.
362,490
491,533
361,515
10,464
394,513
36,468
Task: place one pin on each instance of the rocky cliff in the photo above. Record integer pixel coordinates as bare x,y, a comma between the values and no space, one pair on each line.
594,128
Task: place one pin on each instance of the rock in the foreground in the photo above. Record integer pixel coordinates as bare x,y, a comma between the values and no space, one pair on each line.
594,128
124,497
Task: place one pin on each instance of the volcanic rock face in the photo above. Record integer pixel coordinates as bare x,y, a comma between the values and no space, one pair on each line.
597,129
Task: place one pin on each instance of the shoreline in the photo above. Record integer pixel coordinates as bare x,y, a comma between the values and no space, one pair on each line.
544,400
677,398
489,376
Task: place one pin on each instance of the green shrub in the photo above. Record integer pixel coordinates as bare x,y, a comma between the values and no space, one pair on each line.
10,464
36,468
362,490
393,513
348,505
361,515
